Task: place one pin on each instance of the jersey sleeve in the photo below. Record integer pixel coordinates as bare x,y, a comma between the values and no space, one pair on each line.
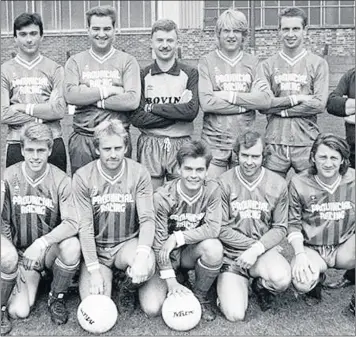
55,108
145,209
130,99
82,203
295,209
279,222
228,235
208,102
210,228
161,233
6,229
9,114
336,102
144,119
185,112
74,92
69,225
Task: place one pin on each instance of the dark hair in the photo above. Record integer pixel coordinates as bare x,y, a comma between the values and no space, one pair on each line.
334,142
164,24
247,140
194,149
293,12
26,19
108,128
101,11
36,132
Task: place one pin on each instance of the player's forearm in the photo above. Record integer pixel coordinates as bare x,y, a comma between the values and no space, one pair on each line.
296,240
273,237
146,218
54,110
251,101
10,116
88,246
185,112
65,230
210,230
147,233
235,239
310,108
336,105
146,120
82,94
127,101
212,104
6,229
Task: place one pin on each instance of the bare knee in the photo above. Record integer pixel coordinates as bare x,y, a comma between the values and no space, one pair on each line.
9,259
19,311
151,308
69,250
233,314
303,288
281,279
212,251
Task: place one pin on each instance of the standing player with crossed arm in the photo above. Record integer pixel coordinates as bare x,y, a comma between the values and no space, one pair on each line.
113,197
322,215
229,93
169,104
32,90
188,216
255,220
102,82
299,81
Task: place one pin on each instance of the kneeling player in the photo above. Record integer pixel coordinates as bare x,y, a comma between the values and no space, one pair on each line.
255,212
39,223
188,216
113,196
322,215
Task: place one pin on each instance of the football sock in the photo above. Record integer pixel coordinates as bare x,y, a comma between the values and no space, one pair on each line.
62,276
8,282
205,276
128,284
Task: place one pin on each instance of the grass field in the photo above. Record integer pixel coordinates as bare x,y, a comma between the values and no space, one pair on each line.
289,316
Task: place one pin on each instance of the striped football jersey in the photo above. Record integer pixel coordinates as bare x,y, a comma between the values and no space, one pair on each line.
33,208
112,210
39,84
251,209
306,74
324,215
86,70
197,217
223,121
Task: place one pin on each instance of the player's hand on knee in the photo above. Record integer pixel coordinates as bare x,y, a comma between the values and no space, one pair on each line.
139,270
166,249
247,259
33,254
97,284
20,281
177,289
303,269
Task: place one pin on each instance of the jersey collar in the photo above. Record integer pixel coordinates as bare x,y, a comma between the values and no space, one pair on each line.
292,60
109,179
329,188
174,70
102,59
250,185
231,62
189,200
34,182
26,64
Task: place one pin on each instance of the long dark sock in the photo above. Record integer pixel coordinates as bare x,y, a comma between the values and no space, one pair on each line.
62,276
8,282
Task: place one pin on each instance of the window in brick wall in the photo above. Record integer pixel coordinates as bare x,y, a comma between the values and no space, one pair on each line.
62,16
321,13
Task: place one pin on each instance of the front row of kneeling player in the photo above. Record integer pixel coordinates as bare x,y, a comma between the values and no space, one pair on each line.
227,230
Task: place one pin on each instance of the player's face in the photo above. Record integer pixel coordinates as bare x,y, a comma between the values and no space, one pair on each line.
101,33
28,39
251,160
292,32
165,44
327,162
36,155
230,40
193,172
111,152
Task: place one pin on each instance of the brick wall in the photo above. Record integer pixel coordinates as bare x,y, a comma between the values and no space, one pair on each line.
194,43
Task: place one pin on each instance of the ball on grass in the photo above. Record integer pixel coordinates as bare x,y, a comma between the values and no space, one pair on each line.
97,313
181,313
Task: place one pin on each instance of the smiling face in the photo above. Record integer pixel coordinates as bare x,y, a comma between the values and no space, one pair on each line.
327,162
230,40
101,33
165,44
111,151
292,32
251,160
36,155
193,173
28,40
